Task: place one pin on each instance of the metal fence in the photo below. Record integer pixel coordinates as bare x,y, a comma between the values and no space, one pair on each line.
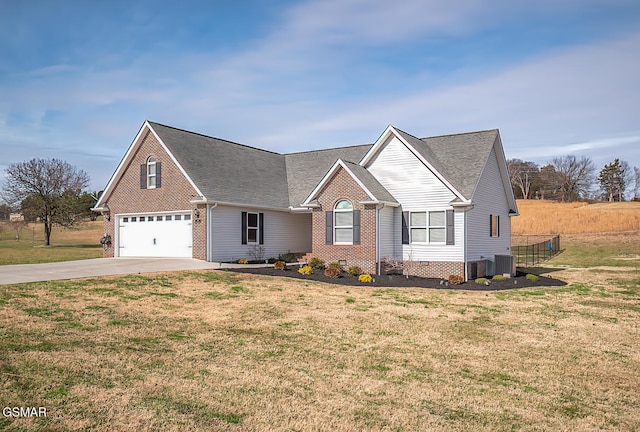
532,254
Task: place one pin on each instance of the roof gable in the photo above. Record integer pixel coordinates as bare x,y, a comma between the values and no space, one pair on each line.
367,182
457,160
131,151
306,169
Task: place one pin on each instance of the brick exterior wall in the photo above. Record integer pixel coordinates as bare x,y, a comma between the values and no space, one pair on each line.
343,186
174,194
434,269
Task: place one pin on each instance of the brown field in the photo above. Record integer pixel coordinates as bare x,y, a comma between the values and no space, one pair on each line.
551,217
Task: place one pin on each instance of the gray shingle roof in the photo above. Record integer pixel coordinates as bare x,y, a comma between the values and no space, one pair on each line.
230,172
306,169
370,182
226,171
460,158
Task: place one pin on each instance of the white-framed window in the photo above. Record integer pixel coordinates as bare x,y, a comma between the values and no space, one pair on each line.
343,222
151,172
428,227
253,227
494,225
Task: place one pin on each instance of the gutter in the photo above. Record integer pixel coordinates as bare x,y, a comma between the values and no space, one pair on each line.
203,200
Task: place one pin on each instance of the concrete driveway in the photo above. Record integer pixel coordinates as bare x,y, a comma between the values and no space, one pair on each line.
20,273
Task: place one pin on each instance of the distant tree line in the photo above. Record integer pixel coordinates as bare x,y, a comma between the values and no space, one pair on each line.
50,191
569,178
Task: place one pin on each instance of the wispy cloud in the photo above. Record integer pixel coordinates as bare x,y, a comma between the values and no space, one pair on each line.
336,72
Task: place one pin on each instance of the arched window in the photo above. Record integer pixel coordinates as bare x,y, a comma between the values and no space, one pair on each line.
343,222
151,172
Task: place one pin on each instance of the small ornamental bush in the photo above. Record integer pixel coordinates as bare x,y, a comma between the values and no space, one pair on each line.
243,261
332,272
305,270
365,278
455,279
483,281
337,266
272,260
287,257
355,271
532,277
279,265
499,278
316,263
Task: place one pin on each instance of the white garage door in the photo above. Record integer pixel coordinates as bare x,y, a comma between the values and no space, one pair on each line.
155,235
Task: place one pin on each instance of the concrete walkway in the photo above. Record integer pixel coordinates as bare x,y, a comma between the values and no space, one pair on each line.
20,273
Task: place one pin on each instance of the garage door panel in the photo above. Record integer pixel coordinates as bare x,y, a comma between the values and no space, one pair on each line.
155,235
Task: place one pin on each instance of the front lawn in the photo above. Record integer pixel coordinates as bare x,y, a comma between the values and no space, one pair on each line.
66,244
222,351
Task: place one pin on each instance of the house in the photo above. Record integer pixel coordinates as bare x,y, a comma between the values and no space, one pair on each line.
442,205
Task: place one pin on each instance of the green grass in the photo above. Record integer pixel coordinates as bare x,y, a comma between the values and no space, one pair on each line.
66,244
578,253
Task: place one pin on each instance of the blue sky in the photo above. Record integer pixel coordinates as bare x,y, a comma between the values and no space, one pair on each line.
557,77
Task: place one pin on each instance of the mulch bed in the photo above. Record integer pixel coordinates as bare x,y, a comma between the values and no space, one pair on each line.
400,281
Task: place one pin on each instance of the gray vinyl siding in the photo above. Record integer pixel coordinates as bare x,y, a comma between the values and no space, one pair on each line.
490,199
283,232
416,188
387,232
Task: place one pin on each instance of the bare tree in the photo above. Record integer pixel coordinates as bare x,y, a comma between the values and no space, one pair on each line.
636,182
46,184
549,182
522,175
576,176
627,179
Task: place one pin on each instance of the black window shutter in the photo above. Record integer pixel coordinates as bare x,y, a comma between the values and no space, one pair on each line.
498,226
158,174
244,227
490,225
450,228
405,227
143,176
329,227
261,225
356,227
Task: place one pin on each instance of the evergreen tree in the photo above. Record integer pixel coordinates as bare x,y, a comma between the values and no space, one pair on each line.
612,181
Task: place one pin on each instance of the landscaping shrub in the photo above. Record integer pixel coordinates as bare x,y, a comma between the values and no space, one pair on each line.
337,266
279,265
305,270
455,279
272,260
499,278
332,272
243,261
483,281
365,278
317,263
355,271
287,257
532,277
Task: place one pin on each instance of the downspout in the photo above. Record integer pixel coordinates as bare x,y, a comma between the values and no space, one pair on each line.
378,258
466,265
210,231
